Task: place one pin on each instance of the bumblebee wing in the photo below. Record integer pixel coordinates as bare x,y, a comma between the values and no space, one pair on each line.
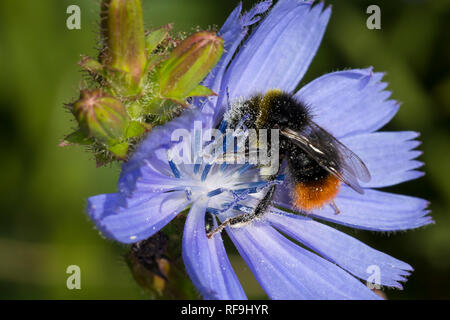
330,154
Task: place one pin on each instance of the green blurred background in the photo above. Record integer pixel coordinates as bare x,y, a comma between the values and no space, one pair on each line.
43,225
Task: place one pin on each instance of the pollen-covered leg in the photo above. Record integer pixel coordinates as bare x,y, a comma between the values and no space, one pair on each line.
241,219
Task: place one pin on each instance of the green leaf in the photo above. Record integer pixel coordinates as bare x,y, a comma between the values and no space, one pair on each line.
120,150
91,65
201,91
135,129
77,137
153,61
156,37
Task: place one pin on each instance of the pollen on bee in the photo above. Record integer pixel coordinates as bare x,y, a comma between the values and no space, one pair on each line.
313,195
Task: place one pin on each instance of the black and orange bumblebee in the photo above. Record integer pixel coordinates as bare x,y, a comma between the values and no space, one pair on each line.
316,162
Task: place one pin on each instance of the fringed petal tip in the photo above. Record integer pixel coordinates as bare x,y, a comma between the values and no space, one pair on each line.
288,271
233,32
275,56
252,17
349,253
374,210
389,156
349,102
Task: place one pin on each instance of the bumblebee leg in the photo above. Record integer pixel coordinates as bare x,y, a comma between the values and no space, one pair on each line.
336,209
234,221
244,219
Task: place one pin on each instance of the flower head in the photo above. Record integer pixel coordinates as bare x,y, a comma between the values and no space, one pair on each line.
352,105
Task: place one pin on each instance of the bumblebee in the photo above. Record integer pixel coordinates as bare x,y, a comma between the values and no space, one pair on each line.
316,162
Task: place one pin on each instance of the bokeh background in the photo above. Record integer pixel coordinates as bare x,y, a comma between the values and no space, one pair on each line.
43,188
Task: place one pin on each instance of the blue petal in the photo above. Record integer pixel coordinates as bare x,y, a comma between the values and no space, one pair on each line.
232,32
373,210
151,181
206,260
279,52
135,219
349,102
388,156
287,271
150,158
102,205
347,252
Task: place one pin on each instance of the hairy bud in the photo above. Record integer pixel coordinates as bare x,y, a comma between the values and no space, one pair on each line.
188,64
101,117
124,53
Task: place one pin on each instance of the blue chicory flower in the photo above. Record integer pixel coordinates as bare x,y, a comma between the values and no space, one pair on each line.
351,104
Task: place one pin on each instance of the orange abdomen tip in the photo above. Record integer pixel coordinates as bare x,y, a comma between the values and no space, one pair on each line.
314,195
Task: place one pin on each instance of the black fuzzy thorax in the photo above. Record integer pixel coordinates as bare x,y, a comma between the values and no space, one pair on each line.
280,110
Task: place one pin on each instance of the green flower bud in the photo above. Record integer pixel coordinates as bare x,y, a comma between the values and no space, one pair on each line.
180,75
124,52
101,117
